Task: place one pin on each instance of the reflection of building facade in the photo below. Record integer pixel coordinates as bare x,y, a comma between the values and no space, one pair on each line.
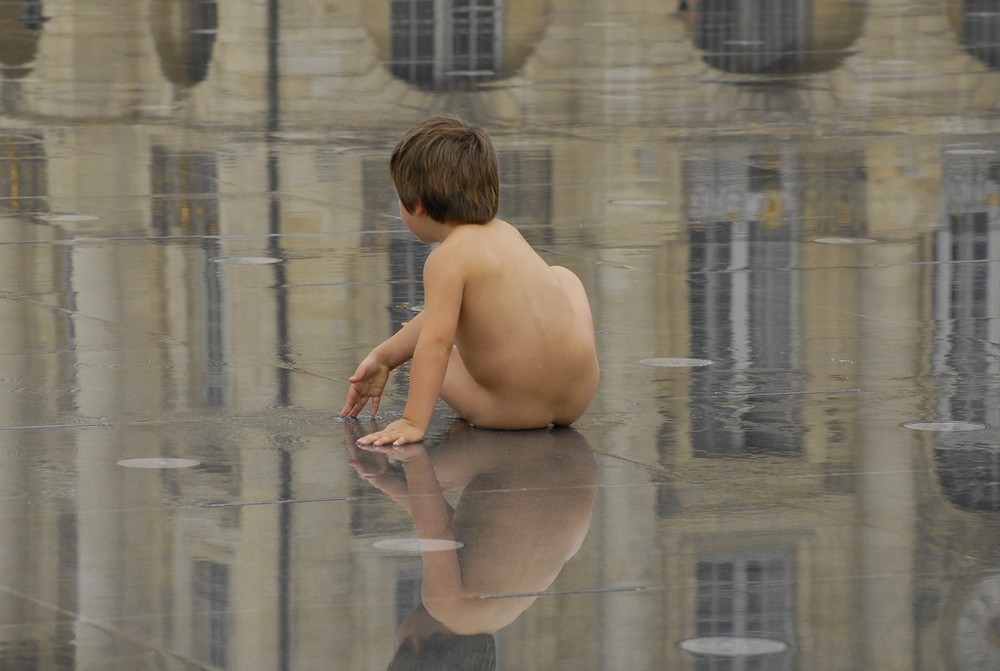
707,236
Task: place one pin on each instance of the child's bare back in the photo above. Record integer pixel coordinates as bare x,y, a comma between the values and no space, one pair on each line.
505,339
525,335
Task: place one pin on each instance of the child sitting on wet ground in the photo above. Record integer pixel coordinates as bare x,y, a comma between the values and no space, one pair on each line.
505,339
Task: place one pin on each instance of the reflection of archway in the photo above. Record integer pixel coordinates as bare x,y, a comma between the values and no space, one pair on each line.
184,32
453,44
779,37
978,26
20,27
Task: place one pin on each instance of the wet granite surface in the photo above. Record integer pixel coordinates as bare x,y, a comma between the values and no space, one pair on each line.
788,223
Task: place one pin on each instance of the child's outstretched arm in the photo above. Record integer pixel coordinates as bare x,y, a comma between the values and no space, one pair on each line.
443,287
370,377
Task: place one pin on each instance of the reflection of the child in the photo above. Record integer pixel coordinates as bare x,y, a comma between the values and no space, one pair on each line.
525,508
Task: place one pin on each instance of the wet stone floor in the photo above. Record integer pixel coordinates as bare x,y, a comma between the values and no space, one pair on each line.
787,219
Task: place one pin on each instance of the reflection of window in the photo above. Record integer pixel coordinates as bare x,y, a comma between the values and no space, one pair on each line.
186,202
746,595
966,326
752,36
445,44
185,193
526,191
23,177
835,194
211,612
980,30
185,34
406,253
967,290
20,25
408,583
743,308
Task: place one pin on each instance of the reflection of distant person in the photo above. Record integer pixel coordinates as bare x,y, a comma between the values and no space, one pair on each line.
525,508
505,339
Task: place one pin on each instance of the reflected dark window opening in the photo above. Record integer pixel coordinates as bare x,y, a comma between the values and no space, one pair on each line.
21,24
743,314
835,195
408,582
204,26
406,253
211,604
185,35
526,192
33,17
185,193
980,30
23,174
966,290
746,595
185,202
446,44
25,655
748,36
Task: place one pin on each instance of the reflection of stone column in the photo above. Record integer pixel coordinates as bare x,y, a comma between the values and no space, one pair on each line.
100,549
591,66
15,315
623,280
96,59
891,305
105,163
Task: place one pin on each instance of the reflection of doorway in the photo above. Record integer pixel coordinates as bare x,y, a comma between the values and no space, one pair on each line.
184,32
446,44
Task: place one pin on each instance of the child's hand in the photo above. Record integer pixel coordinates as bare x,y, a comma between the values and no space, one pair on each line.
395,434
367,383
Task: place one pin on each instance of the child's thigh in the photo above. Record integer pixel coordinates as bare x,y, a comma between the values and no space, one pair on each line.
484,408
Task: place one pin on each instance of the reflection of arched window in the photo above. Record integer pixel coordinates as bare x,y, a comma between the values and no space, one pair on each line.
446,44
779,36
743,307
23,177
184,31
750,36
979,30
20,25
966,293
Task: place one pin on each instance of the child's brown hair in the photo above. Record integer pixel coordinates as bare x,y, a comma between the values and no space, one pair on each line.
450,167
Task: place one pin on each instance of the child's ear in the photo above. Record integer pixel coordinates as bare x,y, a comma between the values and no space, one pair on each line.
418,210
